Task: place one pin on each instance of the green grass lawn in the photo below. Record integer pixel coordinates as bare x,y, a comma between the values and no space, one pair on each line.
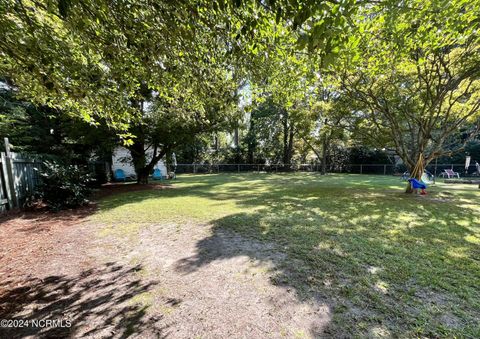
386,262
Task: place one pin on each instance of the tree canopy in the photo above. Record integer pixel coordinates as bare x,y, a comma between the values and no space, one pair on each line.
91,57
320,74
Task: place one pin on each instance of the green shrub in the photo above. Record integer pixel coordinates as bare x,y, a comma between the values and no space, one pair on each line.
63,186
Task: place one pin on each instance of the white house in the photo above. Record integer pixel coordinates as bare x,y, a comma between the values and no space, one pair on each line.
121,159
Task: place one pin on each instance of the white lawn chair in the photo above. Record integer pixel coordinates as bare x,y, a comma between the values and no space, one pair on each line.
449,174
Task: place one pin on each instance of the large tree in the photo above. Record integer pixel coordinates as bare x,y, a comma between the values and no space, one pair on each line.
264,140
168,123
331,113
282,97
413,72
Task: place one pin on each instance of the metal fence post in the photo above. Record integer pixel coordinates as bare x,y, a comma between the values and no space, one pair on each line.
361,169
384,169
238,168
194,169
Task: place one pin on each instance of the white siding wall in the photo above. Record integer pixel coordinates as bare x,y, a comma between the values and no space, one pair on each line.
121,159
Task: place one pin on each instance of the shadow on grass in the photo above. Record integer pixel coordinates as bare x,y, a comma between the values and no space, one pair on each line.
410,283
97,303
385,263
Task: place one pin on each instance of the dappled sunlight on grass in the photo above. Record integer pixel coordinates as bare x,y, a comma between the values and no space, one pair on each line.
473,239
362,243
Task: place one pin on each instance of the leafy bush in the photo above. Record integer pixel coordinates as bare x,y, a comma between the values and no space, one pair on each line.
63,186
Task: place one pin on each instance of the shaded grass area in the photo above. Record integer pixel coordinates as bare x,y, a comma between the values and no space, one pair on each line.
387,263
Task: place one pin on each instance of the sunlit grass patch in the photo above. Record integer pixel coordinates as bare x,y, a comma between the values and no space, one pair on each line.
390,264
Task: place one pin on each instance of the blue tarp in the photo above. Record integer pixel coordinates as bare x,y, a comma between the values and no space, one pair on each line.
417,184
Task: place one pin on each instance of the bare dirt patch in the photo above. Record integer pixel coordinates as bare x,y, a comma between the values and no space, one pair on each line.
219,284
167,280
31,240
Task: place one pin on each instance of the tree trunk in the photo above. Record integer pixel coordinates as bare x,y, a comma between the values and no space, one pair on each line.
324,155
250,155
236,138
285,138
137,149
139,161
142,176
416,172
142,170
168,161
290,144
252,142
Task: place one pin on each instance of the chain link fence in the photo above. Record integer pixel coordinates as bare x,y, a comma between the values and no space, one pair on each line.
380,169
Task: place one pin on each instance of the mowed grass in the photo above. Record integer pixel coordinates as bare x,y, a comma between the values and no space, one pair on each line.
386,263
